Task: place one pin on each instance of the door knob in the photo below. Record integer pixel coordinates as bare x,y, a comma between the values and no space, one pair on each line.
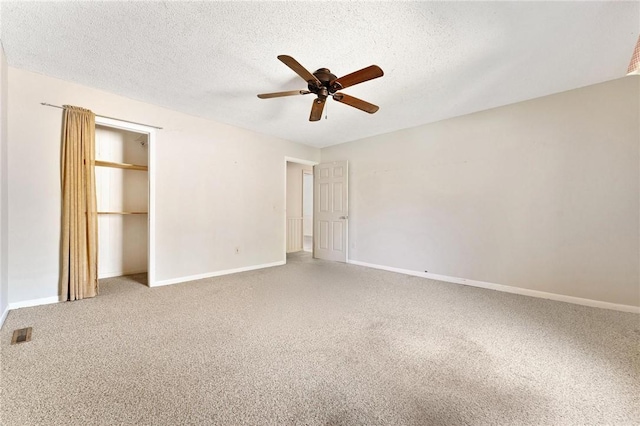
344,217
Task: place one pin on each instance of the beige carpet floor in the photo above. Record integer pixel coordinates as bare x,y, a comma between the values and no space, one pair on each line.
318,343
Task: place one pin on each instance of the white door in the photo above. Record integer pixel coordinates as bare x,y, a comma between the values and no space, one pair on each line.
331,210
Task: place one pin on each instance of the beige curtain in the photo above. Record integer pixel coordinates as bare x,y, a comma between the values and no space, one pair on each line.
79,271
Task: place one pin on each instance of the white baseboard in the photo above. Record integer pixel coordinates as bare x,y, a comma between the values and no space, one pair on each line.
506,288
216,274
56,299
35,302
120,274
4,316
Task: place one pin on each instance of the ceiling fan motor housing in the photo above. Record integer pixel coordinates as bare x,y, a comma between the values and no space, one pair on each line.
326,77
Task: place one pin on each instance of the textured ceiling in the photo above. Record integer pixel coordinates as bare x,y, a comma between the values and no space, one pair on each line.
210,59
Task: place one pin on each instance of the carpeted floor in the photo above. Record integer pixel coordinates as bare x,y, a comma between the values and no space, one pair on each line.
319,343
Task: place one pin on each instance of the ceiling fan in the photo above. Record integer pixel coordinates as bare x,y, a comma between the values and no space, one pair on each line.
324,84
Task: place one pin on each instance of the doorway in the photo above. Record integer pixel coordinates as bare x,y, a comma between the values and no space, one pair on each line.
307,210
298,206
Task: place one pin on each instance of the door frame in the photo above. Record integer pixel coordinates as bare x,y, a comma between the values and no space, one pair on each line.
284,207
151,161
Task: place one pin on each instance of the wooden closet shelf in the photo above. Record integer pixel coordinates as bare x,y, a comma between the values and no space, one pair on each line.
121,165
122,212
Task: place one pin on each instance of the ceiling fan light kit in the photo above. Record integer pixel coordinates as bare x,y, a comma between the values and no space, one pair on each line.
323,84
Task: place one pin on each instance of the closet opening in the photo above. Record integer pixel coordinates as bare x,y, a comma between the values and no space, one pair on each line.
124,182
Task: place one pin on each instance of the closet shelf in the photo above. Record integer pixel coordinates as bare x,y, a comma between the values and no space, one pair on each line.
121,165
122,212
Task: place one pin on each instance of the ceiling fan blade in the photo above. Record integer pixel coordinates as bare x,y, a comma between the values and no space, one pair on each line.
316,109
280,94
360,76
299,69
356,103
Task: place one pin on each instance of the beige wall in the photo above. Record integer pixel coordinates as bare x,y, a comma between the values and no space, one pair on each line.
4,205
218,187
542,195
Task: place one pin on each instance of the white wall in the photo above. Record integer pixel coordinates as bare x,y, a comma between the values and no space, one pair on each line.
542,195
4,204
212,180
122,239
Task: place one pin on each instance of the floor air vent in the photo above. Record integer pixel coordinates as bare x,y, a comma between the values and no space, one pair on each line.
21,335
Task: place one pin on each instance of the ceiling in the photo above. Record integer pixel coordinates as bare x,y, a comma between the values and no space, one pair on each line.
210,59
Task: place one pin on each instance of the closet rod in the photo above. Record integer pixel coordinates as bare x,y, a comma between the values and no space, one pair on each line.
104,116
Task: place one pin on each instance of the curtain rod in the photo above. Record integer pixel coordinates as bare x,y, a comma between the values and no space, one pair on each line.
104,116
